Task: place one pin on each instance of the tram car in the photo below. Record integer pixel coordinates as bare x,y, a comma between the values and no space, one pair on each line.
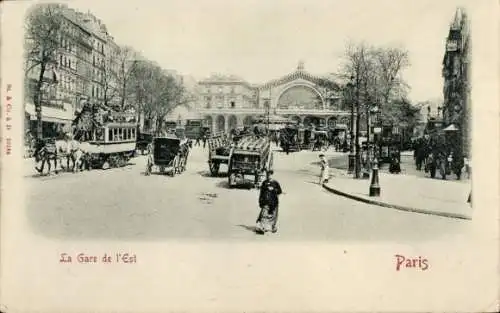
111,145
250,157
169,154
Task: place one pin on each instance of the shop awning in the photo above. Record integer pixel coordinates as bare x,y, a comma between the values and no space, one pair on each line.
51,115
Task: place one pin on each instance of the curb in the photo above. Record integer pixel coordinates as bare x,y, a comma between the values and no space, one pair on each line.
395,206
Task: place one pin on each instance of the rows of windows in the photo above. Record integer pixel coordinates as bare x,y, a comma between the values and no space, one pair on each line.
67,61
221,89
220,102
97,61
67,82
67,45
98,45
97,92
121,134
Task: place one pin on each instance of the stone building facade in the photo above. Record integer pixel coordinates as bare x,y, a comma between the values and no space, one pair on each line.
85,46
456,74
228,102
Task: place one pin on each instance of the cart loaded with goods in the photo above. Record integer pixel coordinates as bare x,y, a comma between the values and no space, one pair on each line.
219,152
251,156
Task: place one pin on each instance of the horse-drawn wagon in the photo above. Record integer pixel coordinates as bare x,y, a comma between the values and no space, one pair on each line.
290,138
251,156
169,154
219,152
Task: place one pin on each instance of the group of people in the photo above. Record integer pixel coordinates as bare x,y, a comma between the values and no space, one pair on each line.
201,138
434,155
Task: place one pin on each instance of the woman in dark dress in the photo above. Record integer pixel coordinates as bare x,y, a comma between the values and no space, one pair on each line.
268,203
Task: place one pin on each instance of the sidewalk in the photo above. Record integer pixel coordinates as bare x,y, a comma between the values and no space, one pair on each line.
407,193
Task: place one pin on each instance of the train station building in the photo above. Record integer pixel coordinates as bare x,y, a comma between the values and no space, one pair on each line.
228,102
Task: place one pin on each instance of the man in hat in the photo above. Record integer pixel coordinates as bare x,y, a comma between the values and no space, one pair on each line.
325,170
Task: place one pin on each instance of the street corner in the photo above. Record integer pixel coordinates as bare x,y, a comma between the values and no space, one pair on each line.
398,199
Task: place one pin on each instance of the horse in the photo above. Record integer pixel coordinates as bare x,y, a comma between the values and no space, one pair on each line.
47,152
80,156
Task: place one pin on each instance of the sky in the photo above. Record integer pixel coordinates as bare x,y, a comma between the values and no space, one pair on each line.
263,40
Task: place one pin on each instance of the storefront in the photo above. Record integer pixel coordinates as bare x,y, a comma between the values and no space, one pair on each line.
54,120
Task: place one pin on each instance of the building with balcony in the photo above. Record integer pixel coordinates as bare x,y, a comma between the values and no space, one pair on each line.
228,102
85,69
456,75
67,81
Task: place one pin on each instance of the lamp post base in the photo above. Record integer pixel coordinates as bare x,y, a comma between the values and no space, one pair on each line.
374,191
374,185
351,161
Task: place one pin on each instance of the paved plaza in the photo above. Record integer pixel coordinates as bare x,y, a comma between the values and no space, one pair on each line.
123,204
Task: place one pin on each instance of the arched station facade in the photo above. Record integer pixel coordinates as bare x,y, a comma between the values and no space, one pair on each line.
230,102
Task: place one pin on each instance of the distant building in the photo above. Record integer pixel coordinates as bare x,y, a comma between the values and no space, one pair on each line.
228,102
456,74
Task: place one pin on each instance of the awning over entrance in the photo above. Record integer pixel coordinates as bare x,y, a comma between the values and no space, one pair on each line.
340,126
275,119
51,115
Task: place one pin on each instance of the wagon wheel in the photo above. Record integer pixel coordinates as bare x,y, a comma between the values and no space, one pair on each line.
181,164
174,166
120,161
184,163
147,172
178,164
214,168
231,180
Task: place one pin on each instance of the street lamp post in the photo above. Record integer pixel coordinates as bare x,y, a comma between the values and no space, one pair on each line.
267,107
372,113
357,166
351,160
374,190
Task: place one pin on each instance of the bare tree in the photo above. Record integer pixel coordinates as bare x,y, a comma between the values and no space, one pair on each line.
141,88
358,68
42,42
390,62
170,94
127,60
109,82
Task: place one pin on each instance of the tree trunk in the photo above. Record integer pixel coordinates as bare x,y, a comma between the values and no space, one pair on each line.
38,102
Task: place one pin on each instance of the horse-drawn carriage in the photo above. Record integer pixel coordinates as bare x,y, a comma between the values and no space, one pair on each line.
251,156
219,152
290,138
320,141
169,154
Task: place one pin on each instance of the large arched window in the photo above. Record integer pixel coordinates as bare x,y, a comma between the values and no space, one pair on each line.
300,97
